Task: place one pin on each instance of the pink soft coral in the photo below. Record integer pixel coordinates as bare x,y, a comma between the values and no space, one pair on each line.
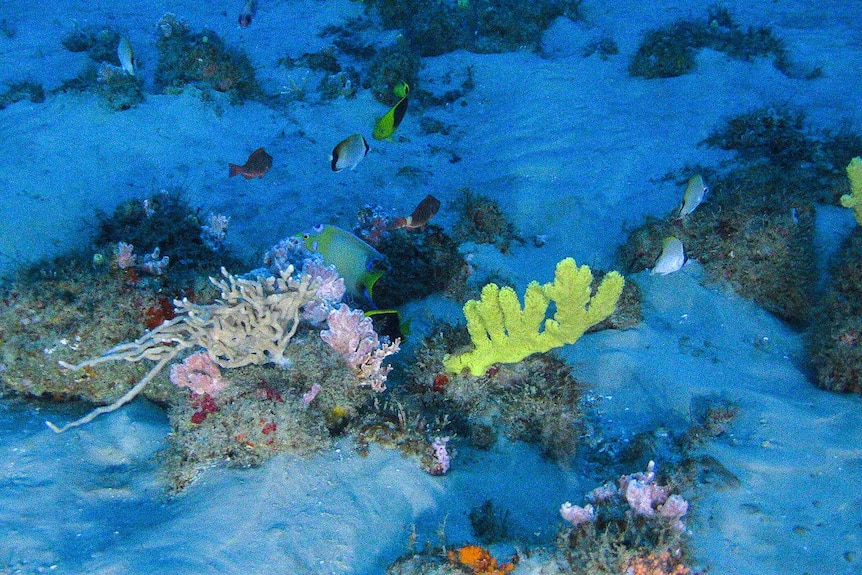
352,335
331,286
199,373
330,290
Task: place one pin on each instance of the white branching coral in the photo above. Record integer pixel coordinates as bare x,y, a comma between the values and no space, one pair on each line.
252,323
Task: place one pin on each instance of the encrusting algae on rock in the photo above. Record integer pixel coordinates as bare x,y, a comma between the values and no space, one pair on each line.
502,331
479,561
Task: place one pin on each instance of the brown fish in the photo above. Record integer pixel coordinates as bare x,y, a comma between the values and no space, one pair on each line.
255,167
420,216
247,13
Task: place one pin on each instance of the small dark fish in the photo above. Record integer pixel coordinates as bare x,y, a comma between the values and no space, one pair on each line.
420,216
388,322
247,13
255,167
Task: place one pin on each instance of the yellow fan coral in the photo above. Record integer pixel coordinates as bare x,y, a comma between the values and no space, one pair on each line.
854,198
504,332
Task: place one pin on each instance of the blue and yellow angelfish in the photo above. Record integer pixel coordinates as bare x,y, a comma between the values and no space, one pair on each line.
353,258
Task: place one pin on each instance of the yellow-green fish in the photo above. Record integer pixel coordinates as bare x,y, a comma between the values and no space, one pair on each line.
126,56
401,89
348,152
671,259
352,257
387,125
693,196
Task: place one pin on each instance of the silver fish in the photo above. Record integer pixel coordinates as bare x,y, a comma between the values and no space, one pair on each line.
126,56
671,259
694,194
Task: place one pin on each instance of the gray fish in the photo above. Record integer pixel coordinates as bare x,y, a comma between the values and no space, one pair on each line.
126,56
693,196
671,259
349,152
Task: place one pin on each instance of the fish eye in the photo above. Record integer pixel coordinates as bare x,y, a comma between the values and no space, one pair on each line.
306,235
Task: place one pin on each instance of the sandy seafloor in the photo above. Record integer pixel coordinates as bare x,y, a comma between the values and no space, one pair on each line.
572,147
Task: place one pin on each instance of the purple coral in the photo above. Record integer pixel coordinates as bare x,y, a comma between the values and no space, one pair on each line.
309,395
287,252
603,494
577,515
637,503
154,264
643,498
330,290
126,257
642,493
214,232
673,510
352,335
647,498
442,459
199,373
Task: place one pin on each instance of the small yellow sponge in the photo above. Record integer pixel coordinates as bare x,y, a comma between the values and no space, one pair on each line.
854,198
504,332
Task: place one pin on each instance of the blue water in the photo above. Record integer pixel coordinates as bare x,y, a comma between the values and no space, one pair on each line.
576,151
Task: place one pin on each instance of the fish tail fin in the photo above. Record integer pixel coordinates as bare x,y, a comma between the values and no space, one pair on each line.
233,170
